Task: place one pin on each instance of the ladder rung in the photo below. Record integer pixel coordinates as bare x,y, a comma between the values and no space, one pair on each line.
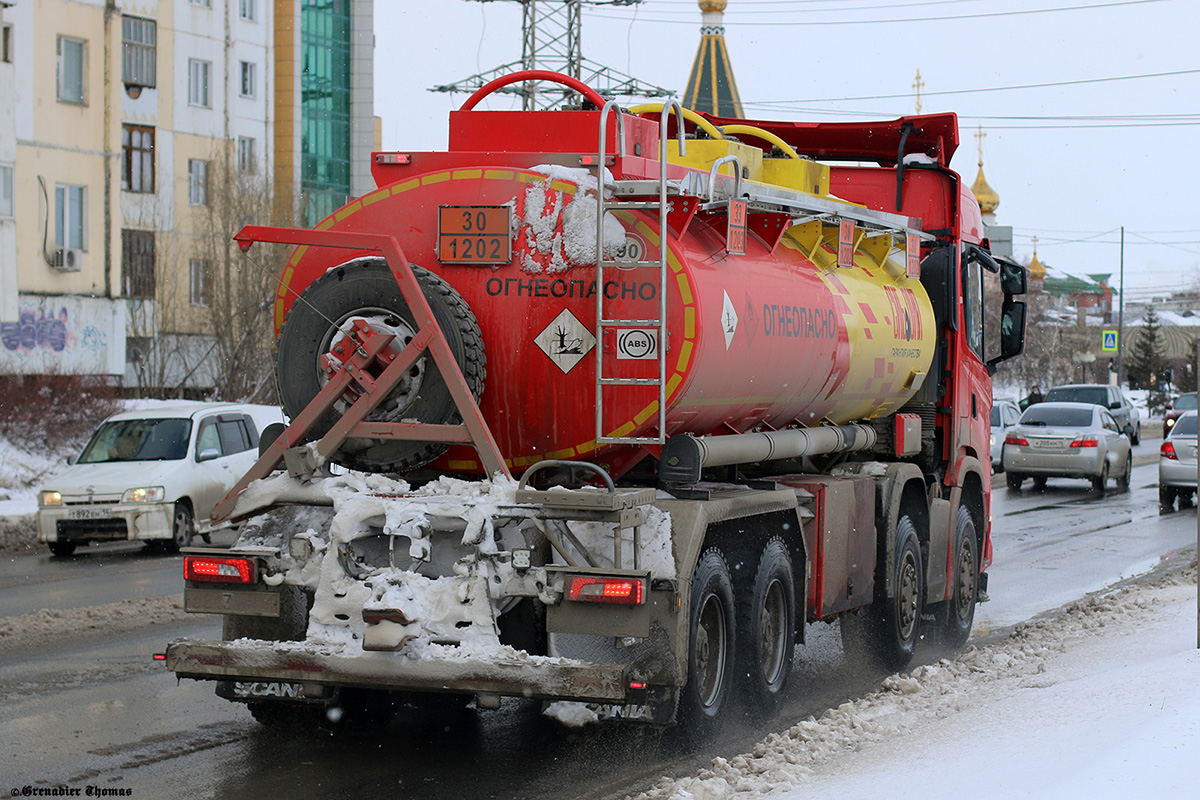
630,440
630,382
633,205
641,323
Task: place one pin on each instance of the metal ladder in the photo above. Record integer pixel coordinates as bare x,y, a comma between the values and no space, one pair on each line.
603,320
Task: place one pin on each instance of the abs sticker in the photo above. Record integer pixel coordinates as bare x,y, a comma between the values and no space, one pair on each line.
566,341
637,343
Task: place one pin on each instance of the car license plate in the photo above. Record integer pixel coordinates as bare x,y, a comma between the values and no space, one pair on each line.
90,513
1045,443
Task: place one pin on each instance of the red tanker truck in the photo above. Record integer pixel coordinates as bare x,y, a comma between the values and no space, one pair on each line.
607,405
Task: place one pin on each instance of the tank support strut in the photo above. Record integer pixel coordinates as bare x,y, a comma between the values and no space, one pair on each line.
372,370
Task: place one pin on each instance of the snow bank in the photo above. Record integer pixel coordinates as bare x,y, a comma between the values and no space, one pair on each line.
1044,692
110,618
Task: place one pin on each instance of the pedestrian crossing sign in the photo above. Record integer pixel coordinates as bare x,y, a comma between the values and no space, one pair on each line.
1109,343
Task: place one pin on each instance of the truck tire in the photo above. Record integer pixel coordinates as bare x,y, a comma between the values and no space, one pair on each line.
957,615
712,631
366,288
885,633
766,627
290,626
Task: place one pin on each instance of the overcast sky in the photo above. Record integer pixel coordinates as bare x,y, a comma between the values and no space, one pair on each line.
1091,107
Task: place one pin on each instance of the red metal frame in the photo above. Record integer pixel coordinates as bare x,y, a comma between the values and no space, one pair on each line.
372,370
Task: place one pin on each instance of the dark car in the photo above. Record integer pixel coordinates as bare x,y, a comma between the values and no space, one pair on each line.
1185,402
1101,394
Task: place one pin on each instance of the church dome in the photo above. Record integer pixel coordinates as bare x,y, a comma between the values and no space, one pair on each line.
989,201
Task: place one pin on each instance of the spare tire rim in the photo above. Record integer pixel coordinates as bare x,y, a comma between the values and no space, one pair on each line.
381,320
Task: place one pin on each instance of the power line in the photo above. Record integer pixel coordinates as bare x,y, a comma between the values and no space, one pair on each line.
1052,84
612,11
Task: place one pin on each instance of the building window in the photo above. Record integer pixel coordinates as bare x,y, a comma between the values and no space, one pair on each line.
137,264
247,79
245,155
6,191
246,10
203,3
137,158
199,73
139,40
325,103
198,282
6,43
197,182
69,216
72,54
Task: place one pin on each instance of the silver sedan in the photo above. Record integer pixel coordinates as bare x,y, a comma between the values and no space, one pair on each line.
1067,440
1177,465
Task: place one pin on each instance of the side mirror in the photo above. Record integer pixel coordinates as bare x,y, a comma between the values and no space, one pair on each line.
1012,332
71,459
1114,404
1012,277
208,455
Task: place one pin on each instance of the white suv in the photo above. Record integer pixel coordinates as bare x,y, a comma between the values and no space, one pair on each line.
150,475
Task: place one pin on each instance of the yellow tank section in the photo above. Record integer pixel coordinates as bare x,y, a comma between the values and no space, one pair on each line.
887,316
703,153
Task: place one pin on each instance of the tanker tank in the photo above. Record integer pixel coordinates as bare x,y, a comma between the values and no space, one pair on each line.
780,336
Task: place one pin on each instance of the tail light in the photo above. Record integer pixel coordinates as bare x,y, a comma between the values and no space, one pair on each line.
1020,440
589,589
1168,451
1085,443
219,569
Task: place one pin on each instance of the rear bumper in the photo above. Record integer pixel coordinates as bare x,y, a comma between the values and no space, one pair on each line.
1176,474
520,675
1066,465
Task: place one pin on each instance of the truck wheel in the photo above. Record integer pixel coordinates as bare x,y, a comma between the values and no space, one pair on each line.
290,626
1014,480
885,634
1166,500
957,615
1100,482
366,289
62,549
766,625
712,631
183,527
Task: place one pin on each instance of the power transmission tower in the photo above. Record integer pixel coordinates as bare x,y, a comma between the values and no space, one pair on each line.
551,40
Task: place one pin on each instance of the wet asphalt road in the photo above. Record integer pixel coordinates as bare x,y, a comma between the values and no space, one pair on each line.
97,711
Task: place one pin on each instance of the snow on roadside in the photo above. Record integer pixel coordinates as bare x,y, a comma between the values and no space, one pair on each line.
1012,719
109,618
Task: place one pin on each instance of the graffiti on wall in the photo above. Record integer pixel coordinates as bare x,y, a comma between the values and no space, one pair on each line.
63,335
38,330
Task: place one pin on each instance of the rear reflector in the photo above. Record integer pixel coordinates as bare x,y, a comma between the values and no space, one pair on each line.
393,158
222,569
627,591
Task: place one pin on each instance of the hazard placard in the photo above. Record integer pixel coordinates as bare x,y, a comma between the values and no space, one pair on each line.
735,234
846,243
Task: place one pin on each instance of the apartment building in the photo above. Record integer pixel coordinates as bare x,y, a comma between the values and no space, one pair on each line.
136,136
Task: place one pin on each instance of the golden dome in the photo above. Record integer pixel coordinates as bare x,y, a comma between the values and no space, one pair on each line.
1037,270
713,5
989,201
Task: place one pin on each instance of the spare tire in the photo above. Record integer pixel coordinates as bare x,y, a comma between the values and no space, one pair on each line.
366,289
